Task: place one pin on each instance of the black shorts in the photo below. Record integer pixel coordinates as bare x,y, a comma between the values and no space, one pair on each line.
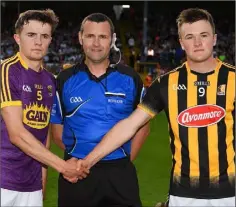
110,184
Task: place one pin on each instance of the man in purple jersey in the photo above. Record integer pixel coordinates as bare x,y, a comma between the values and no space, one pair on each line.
27,91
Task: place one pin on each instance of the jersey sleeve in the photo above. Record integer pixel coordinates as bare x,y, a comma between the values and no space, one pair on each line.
10,86
140,90
152,102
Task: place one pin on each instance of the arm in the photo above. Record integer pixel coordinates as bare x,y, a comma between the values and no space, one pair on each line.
138,140
45,168
23,139
57,135
118,135
143,132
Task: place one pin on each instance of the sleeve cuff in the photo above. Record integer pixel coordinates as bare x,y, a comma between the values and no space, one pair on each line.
147,110
11,103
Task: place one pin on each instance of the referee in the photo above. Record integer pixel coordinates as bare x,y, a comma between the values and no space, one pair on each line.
92,96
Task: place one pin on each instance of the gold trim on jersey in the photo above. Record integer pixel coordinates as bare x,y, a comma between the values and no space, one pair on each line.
5,86
172,71
8,59
218,65
173,111
23,63
228,65
11,103
146,109
7,78
230,96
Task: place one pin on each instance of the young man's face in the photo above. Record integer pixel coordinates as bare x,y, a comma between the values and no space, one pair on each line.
197,39
34,40
96,40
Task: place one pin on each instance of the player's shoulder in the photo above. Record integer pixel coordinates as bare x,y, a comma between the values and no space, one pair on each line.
228,66
173,71
68,72
10,65
9,61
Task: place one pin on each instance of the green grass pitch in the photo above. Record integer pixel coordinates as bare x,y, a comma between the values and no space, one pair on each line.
153,167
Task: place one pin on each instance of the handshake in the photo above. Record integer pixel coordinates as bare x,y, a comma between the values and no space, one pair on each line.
75,169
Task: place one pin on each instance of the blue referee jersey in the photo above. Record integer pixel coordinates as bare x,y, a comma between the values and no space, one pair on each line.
89,107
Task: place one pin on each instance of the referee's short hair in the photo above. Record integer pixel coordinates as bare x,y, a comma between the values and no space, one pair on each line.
44,16
192,15
97,17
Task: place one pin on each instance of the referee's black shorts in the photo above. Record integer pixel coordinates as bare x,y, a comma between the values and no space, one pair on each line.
110,184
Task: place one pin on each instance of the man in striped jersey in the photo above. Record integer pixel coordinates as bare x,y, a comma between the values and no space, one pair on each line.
27,91
199,100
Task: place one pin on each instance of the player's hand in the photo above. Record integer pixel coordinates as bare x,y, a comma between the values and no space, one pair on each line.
82,168
72,174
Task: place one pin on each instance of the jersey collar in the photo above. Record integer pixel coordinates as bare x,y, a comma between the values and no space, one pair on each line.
24,64
85,68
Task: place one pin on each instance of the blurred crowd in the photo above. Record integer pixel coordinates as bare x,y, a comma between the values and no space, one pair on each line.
161,51
162,43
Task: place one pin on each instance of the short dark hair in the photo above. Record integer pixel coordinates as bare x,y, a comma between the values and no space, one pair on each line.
192,15
97,17
44,16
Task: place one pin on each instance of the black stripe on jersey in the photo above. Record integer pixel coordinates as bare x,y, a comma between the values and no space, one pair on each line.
221,101
183,131
4,78
204,179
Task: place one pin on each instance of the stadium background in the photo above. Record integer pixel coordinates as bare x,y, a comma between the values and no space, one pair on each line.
155,54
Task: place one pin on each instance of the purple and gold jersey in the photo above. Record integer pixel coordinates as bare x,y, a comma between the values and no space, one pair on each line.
34,91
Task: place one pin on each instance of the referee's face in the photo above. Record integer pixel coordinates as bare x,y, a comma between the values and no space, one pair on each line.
96,40
197,39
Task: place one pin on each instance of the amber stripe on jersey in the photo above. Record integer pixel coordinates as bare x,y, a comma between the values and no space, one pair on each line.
230,126
212,132
5,78
173,112
221,101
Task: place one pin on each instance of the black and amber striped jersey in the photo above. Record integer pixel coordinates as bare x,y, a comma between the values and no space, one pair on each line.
200,111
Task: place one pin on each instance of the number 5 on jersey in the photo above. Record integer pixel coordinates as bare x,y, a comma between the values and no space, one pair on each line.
39,95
